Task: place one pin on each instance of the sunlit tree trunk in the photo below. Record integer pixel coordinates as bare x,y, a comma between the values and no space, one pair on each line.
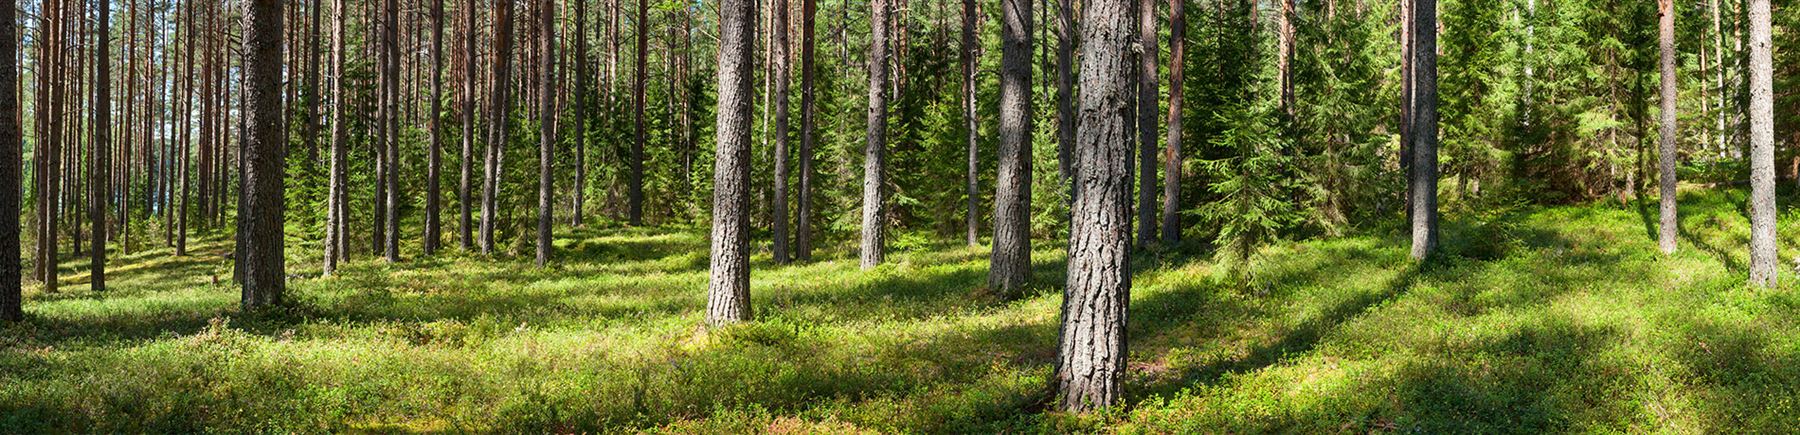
390,120
1171,206
1666,144
433,194
546,124
778,62
874,210
1423,177
1010,265
971,127
728,299
803,209
1147,54
580,102
1762,150
335,195
264,273
636,212
99,165
466,224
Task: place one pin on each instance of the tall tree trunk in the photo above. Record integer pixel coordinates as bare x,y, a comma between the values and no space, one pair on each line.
12,154
1010,265
1171,206
636,216
99,165
463,201
1762,150
874,212
312,84
262,252
391,123
335,212
1146,122
778,62
1065,93
502,82
1666,147
803,209
1284,55
1090,366
971,127
546,124
433,189
187,125
580,102
728,291
1423,177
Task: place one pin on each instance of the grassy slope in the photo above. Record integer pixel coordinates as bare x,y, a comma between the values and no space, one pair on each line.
1559,319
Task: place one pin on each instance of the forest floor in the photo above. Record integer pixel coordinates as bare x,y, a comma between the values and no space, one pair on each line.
1561,319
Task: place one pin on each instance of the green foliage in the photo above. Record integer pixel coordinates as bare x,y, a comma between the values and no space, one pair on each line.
1254,202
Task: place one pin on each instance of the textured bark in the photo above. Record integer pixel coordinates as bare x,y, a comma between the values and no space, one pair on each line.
264,149
1284,55
12,153
1010,265
778,62
728,291
1762,150
99,160
803,207
581,125
187,135
391,123
335,194
497,122
434,156
1423,177
1147,53
1091,352
464,200
1666,145
1065,92
971,128
546,125
312,83
1171,206
874,210
636,197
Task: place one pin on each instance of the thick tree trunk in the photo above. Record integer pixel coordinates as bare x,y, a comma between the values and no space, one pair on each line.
99,164
262,252
728,299
1423,177
466,224
1146,122
433,192
1666,145
546,125
1762,150
874,210
971,127
803,207
778,61
636,212
1171,206
1010,266
1091,355
337,184
12,153
497,122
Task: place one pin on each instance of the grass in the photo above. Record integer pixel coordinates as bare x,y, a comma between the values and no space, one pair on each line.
1559,319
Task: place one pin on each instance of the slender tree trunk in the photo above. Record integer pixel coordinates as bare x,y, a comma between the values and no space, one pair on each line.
12,154
1285,56
1423,182
335,196
99,165
546,124
1091,355
636,216
1762,150
728,299
463,201
581,102
262,252
803,209
874,213
391,122
778,62
497,136
1010,267
1065,93
433,189
1171,207
1666,149
312,85
971,126
187,125
1146,122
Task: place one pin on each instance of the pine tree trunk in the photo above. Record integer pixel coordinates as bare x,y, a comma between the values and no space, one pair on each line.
580,102
874,212
433,192
1091,355
498,118
262,251
728,299
1666,146
1423,177
1010,265
803,209
187,124
12,154
466,224
546,124
1065,93
391,123
1171,207
334,200
636,216
971,126
1762,150
1146,122
99,165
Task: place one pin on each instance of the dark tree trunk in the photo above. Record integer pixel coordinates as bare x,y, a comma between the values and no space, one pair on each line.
874,212
580,102
1762,150
546,124
728,299
1171,210
313,68
1666,147
1065,92
971,127
99,164
636,216
1091,355
1423,177
433,189
1010,266
391,123
1146,122
778,61
466,223
12,153
187,134
502,82
803,209
262,249
335,210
